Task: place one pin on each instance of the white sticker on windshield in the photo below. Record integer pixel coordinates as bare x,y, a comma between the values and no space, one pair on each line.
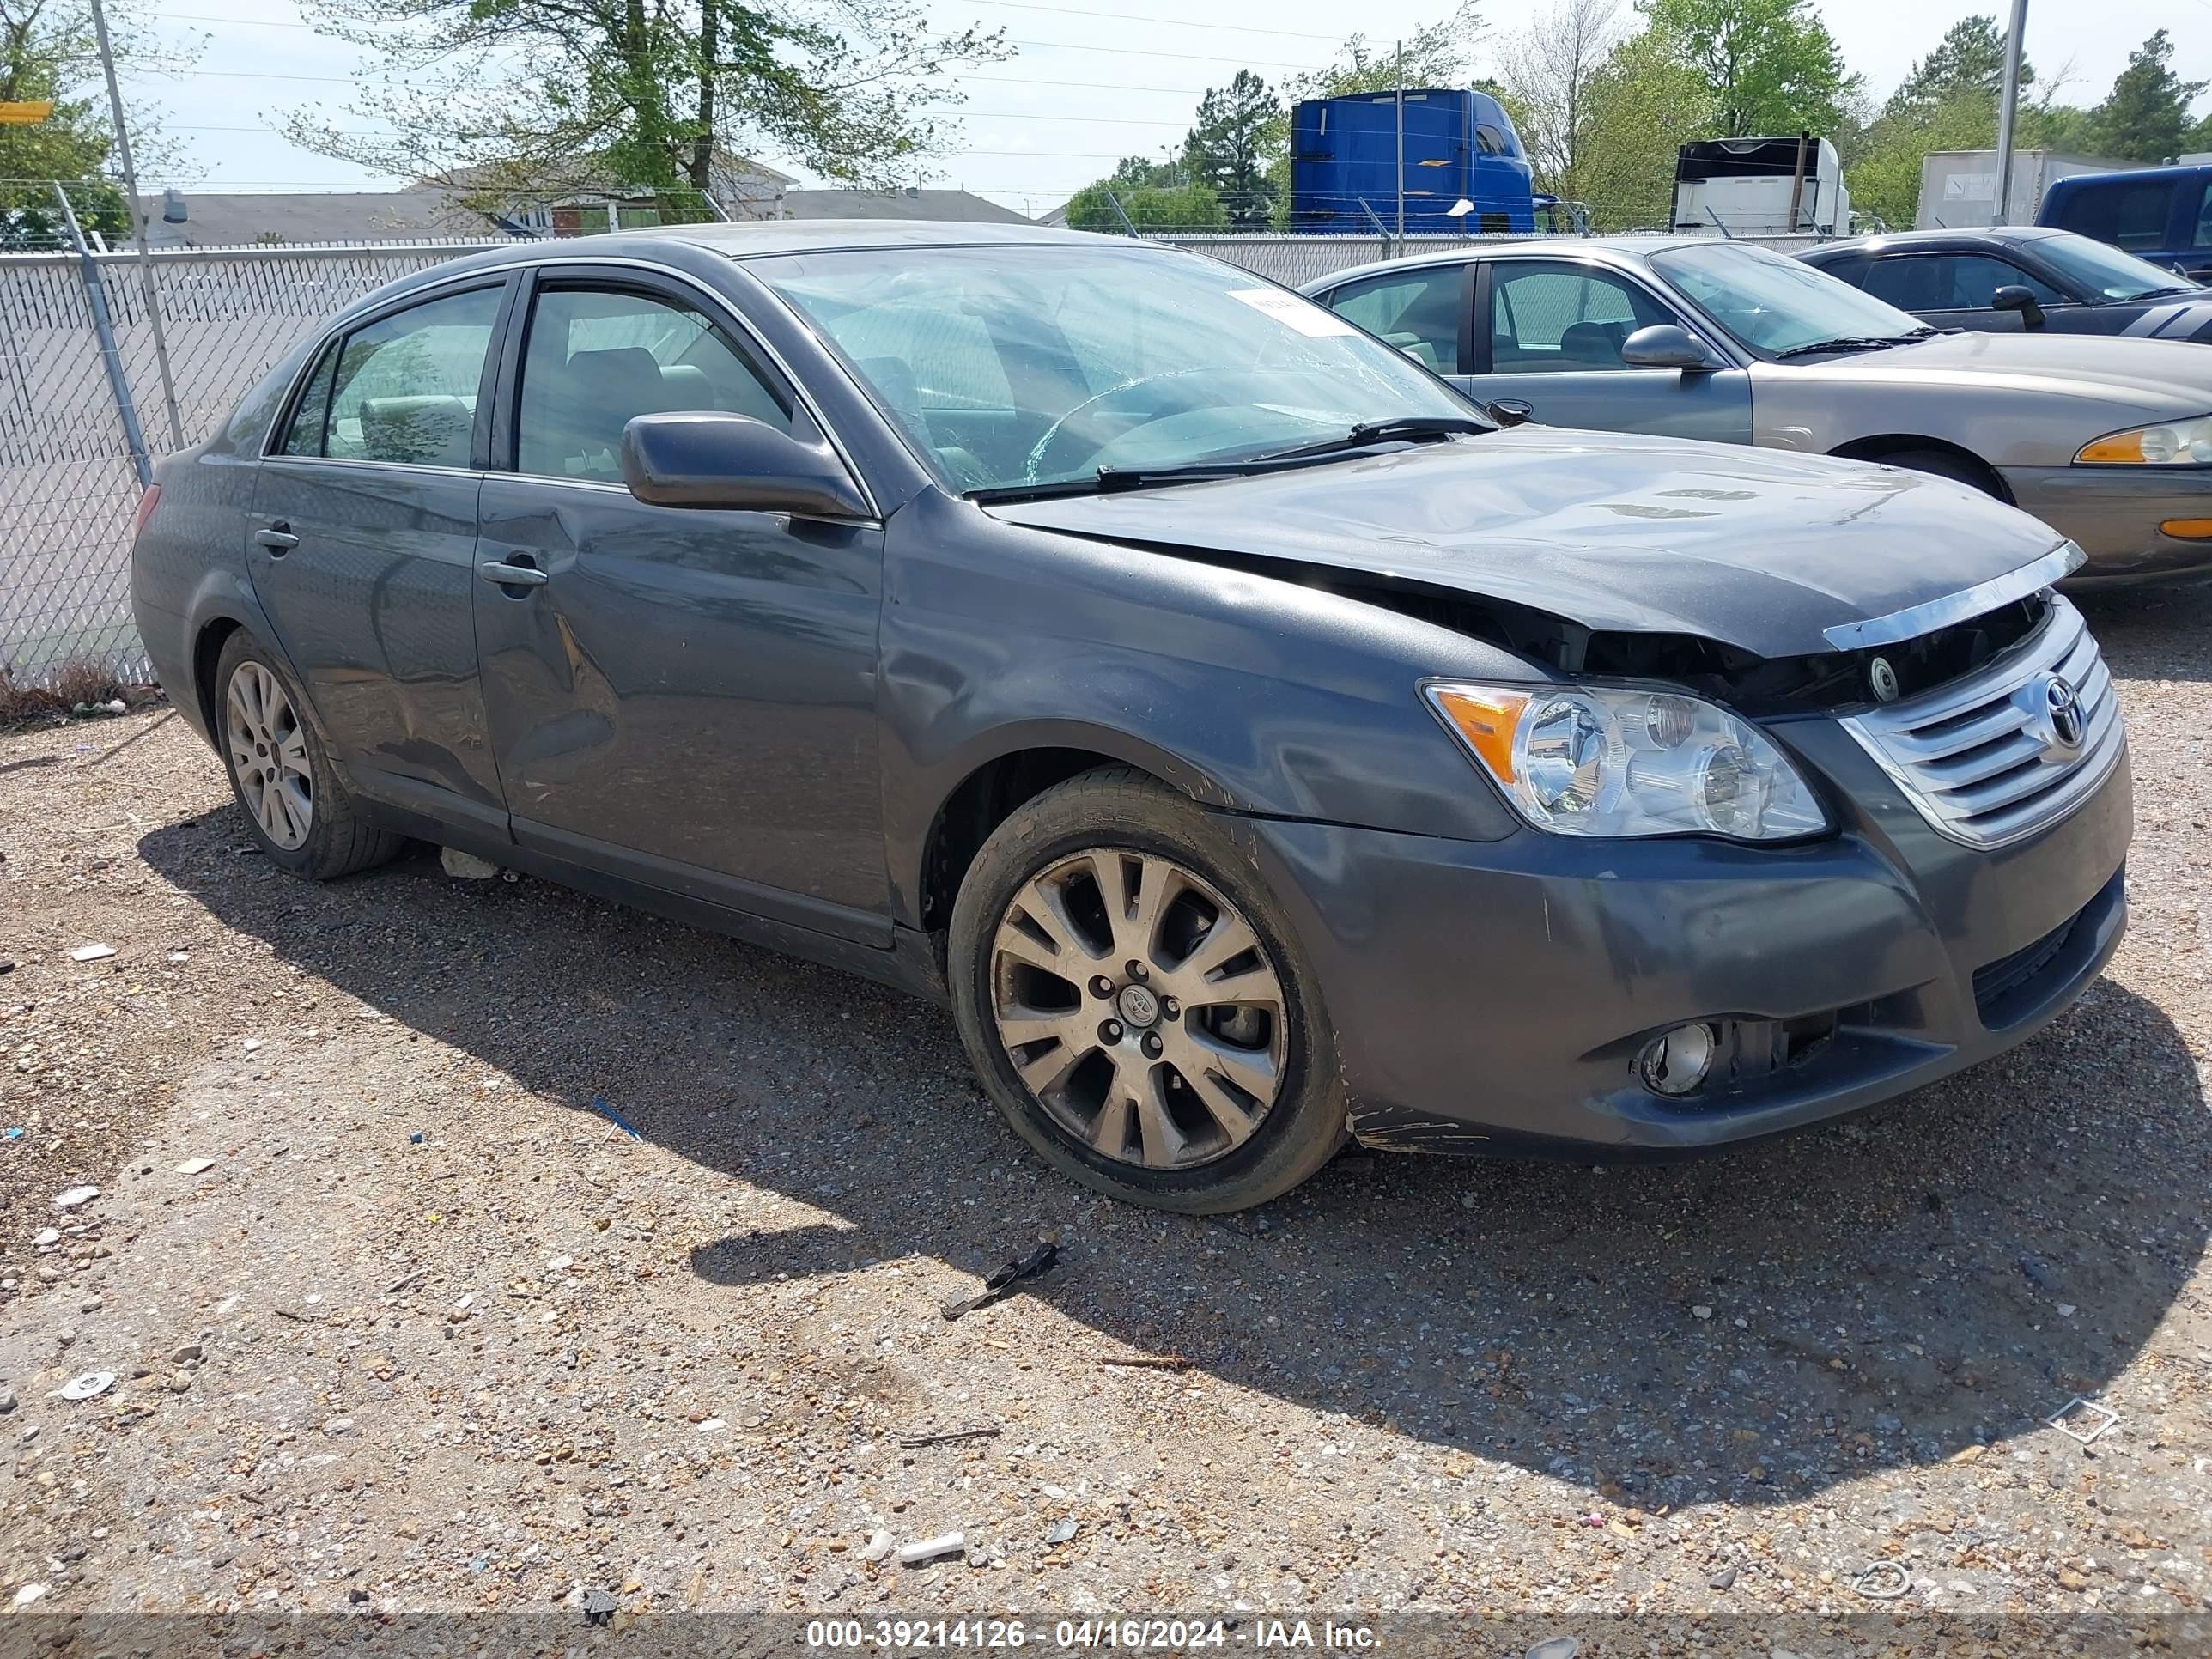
1291,312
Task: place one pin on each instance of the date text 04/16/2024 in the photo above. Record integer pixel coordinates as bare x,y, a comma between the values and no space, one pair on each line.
1075,1635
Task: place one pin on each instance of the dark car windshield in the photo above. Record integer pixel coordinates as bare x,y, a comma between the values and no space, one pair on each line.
1775,304
1041,364
2105,273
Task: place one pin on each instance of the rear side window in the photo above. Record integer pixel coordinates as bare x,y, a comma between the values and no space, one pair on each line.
403,389
1416,311
597,357
2203,237
312,413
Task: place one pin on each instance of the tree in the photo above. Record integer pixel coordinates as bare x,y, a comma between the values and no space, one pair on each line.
1227,150
1643,101
1771,66
1437,56
1967,62
524,96
1547,73
2146,116
48,53
1948,101
1149,207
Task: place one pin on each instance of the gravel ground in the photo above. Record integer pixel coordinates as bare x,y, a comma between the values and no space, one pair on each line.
397,1315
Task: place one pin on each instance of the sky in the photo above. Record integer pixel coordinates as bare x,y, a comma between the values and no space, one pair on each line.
1089,81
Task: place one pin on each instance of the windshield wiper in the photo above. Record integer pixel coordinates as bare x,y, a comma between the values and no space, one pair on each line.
1401,429
1867,343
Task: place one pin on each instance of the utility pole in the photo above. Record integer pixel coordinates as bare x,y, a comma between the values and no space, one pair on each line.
1401,78
2009,101
138,223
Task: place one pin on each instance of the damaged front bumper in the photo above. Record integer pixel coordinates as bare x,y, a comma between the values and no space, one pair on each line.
1495,996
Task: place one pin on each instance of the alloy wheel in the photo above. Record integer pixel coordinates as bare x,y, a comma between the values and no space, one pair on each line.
269,753
1139,1008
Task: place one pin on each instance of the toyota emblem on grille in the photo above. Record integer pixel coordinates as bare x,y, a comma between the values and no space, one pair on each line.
2064,705
1882,678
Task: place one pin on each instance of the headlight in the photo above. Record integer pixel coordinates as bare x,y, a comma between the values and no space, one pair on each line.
2173,443
1595,761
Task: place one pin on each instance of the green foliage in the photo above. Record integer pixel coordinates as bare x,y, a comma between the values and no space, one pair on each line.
1227,150
503,97
1149,207
1437,56
1644,100
1769,66
2146,116
48,50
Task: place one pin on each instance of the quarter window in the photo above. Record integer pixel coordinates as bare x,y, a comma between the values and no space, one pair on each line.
1570,318
597,357
406,385
1416,311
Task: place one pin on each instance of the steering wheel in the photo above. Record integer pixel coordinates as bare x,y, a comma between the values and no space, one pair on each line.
1043,446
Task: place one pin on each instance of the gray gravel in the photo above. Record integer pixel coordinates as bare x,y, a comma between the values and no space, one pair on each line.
432,1330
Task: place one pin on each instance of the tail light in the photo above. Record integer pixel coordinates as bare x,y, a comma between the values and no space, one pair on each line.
147,503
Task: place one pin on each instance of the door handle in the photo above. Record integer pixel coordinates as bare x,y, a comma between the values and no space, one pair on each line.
277,539
512,575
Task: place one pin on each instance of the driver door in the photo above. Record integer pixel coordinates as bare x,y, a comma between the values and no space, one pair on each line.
684,697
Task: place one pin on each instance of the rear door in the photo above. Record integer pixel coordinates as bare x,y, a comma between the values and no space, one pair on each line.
362,548
686,697
1548,333
1423,311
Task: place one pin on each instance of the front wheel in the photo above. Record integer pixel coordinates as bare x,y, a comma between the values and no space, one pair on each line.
1136,1005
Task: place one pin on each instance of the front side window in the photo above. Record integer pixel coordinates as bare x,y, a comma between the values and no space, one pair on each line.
597,357
1013,366
1774,304
405,386
1416,311
1563,318
1950,281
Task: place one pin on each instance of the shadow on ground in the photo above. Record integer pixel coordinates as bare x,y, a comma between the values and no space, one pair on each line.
1753,1327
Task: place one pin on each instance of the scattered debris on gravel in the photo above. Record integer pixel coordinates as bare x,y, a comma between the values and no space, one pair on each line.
418,1242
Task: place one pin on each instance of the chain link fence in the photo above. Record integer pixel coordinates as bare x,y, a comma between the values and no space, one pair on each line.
68,486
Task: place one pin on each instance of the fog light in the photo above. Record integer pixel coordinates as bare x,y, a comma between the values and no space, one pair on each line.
1676,1063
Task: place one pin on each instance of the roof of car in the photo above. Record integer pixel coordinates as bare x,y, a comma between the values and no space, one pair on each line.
1617,247
2010,235
747,238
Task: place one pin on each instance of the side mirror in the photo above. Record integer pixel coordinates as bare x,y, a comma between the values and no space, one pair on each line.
712,459
2014,297
1667,345
1509,411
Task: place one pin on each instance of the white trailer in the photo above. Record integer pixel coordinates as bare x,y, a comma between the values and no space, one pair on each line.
1959,187
1791,186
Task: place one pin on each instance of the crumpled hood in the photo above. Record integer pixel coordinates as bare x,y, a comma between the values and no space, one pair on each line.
1755,548
2105,377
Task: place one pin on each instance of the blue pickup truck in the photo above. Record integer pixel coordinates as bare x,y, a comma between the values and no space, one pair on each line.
2163,215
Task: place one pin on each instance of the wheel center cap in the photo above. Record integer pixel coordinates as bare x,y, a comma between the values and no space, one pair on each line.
1140,1007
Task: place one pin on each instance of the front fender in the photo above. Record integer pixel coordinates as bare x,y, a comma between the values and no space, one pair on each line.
1250,694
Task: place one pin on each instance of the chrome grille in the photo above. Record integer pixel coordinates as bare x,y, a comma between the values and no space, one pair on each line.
1984,758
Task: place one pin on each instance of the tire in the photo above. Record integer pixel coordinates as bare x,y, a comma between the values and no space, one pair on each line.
1944,465
336,841
1217,1142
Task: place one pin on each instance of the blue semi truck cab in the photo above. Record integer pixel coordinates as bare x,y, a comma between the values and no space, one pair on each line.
1459,145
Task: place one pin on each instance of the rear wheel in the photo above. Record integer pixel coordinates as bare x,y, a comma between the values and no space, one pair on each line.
1136,1005
298,810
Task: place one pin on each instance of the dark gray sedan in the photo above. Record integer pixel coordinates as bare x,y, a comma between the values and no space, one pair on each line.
1253,744
2020,278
